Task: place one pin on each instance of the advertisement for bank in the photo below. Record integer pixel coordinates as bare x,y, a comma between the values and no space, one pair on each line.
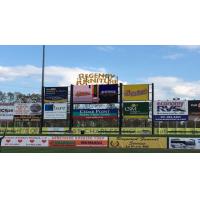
171,110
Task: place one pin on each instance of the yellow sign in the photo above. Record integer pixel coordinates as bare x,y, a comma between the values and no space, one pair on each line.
96,78
136,92
138,142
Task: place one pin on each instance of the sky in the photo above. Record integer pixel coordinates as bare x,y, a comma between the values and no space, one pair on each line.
173,69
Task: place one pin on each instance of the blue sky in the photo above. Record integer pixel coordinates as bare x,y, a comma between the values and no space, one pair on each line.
173,69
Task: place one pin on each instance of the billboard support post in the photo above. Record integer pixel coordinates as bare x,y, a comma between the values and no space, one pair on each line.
152,109
71,108
120,109
42,89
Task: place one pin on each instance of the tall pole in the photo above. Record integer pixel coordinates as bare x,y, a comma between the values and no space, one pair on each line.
42,88
120,110
152,111
71,109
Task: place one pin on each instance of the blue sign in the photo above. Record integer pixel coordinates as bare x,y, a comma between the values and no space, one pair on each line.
171,117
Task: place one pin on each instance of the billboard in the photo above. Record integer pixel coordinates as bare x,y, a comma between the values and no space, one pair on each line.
27,109
184,143
136,110
194,107
85,94
108,93
95,113
6,111
55,111
27,118
138,142
136,92
171,110
56,94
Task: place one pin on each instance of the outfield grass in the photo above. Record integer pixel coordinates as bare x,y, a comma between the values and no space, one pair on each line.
90,150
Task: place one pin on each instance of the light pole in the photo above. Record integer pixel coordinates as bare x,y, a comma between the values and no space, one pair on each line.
42,89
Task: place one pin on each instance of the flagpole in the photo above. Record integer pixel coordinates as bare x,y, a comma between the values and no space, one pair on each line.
42,89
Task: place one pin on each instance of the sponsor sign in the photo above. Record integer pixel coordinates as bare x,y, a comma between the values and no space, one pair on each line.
55,111
56,94
6,111
27,109
136,110
108,93
78,141
194,107
25,141
96,78
85,94
136,92
138,142
171,110
27,118
184,143
95,113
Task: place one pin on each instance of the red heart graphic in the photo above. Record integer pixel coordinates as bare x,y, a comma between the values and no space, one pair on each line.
32,141
19,141
43,141
7,141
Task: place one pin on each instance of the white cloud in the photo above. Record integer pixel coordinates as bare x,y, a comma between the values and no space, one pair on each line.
190,47
54,75
174,87
173,56
105,48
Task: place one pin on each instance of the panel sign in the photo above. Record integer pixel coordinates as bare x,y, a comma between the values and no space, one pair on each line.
55,111
6,111
184,143
171,110
194,107
108,93
85,94
27,109
136,110
56,94
136,92
138,142
95,113
27,118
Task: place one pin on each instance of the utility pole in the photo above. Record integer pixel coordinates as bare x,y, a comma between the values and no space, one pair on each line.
42,89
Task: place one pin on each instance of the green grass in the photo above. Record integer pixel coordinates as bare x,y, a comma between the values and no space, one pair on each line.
89,150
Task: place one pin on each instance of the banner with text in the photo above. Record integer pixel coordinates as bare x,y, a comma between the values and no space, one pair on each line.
171,110
6,111
55,111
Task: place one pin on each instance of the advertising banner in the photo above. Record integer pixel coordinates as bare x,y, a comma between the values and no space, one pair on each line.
27,109
55,111
171,110
136,92
184,143
85,94
108,93
56,94
138,142
27,118
26,141
6,111
194,107
136,110
78,141
95,113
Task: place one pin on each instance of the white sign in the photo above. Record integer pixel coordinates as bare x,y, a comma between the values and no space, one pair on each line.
171,110
28,109
24,141
184,143
6,111
55,111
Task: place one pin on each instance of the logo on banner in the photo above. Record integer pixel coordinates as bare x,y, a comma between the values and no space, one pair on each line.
55,111
6,111
136,92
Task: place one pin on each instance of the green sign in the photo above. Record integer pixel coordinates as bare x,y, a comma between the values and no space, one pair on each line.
136,110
